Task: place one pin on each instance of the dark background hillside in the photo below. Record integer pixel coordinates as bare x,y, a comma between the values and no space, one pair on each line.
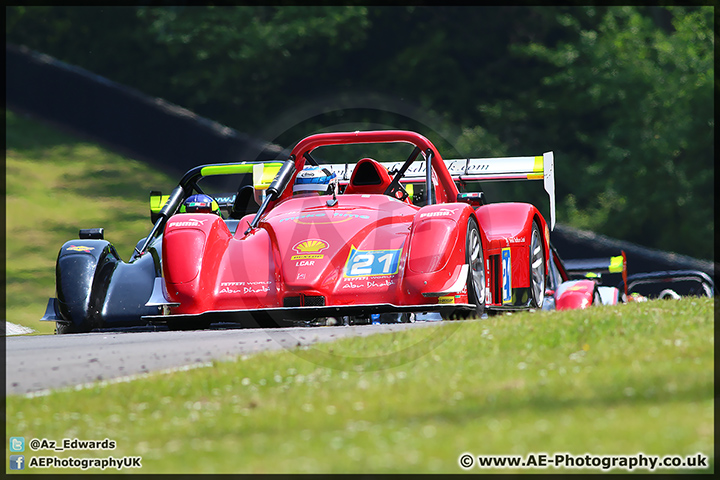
147,128
622,95
175,140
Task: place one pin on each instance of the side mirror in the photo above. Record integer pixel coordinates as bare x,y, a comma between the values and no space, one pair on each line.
474,199
157,202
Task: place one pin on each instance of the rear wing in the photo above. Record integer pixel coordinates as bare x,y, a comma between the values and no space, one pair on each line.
541,167
596,265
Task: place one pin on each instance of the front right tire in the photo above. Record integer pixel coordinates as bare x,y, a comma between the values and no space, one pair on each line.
537,267
476,274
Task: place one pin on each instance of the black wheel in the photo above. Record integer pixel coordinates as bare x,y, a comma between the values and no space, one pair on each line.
537,267
476,274
63,328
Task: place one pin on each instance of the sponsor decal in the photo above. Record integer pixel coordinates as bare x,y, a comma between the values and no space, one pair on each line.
316,256
384,283
298,217
369,284
506,276
443,212
240,284
349,216
323,218
445,300
245,290
476,167
189,222
79,248
308,249
261,286
517,239
229,200
363,263
456,167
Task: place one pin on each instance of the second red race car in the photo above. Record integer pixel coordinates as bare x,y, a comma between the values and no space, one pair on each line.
350,240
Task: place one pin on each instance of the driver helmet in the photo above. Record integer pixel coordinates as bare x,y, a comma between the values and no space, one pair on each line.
200,203
315,179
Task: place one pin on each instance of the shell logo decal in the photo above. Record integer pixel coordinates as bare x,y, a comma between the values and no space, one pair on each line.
310,246
79,248
309,249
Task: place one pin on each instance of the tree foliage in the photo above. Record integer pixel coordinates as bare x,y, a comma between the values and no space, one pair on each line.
623,95
641,124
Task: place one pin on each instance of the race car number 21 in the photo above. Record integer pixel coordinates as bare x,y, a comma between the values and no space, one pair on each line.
506,276
363,263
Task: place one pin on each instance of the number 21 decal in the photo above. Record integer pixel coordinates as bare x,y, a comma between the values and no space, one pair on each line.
506,276
365,263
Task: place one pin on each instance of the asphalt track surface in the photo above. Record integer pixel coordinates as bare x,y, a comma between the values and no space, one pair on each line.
43,362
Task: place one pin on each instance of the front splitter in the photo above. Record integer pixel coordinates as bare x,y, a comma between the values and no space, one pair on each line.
309,313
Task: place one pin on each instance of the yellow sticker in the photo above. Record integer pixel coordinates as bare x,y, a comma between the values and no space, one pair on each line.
445,300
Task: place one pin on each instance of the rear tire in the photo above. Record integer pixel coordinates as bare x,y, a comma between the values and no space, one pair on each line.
476,274
537,267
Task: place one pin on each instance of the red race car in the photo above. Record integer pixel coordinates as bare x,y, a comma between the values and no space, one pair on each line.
576,284
350,241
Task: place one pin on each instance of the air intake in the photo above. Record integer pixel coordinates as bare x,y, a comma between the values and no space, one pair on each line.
304,301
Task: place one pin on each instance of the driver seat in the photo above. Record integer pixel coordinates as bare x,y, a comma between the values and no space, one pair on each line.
368,177
245,203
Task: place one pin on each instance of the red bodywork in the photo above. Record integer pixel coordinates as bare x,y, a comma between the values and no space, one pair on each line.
571,293
576,294
366,249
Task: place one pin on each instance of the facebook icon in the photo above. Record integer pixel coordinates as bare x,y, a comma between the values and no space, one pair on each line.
17,462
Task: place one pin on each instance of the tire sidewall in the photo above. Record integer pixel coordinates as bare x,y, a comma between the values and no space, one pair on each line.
478,298
537,299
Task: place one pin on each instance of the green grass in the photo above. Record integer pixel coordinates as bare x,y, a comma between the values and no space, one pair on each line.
57,184
609,380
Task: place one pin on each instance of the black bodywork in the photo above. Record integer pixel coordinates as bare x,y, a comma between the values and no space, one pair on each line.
671,284
96,289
